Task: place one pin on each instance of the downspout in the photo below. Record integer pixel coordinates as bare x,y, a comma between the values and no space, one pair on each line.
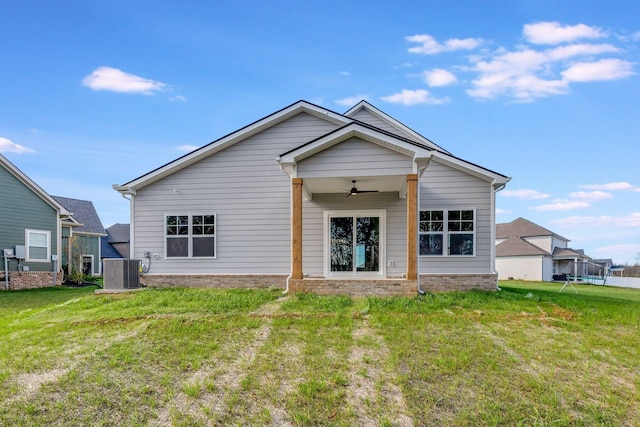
6,270
420,172
130,199
493,231
286,286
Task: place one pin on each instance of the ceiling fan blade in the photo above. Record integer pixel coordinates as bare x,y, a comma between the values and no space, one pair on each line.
367,191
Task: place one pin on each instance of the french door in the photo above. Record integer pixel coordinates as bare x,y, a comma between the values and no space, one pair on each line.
355,243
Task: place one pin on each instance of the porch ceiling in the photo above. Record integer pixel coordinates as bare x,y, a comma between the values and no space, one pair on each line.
387,183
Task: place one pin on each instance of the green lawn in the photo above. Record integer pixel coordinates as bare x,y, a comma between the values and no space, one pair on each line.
526,355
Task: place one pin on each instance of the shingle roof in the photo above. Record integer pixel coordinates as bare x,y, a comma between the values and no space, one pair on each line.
569,253
84,212
523,228
515,246
118,233
108,251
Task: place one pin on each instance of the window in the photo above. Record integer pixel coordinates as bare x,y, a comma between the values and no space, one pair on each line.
190,236
38,245
455,228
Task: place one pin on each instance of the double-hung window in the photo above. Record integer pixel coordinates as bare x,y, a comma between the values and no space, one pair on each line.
447,232
38,245
190,236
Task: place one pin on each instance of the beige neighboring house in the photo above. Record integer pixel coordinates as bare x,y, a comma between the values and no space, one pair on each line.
527,251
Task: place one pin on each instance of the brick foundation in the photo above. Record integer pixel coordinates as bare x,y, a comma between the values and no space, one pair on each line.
213,281
321,286
19,280
356,287
458,282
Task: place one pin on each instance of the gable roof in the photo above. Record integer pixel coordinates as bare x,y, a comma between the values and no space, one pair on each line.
31,185
568,253
523,228
83,212
345,123
118,233
515,246
364,105
229,140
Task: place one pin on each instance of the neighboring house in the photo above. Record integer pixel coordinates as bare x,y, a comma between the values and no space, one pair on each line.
527,251
116,244
30,228
81,235
312,200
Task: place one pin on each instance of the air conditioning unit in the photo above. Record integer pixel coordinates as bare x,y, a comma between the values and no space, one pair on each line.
121,273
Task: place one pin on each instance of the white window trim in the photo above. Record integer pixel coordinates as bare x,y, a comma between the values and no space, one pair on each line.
27,240
190,236
90,256
382,214
446,233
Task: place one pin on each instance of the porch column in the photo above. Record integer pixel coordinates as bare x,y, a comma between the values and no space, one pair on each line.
296,228
412,234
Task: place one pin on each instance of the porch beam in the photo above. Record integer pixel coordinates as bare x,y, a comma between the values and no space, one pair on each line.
412,232
296,228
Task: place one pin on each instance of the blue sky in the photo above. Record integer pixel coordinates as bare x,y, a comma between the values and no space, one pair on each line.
546,92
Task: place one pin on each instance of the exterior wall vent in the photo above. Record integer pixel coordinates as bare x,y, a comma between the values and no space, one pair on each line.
121,273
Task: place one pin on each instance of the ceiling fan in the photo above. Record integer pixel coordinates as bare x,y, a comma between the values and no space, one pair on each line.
354,191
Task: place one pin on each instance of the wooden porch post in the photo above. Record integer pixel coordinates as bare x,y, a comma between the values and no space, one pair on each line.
412,234
296,228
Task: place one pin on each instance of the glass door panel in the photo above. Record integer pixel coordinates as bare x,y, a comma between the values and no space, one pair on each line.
341,250
367,244
354,244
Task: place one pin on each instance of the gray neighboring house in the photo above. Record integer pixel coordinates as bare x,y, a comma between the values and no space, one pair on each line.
83,233
31,221
308,199
527,251
116,244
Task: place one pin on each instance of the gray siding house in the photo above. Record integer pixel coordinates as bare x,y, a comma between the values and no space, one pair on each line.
82,235
308,199
30,226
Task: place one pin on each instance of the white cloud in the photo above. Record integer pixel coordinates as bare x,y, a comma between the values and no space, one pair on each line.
556,33
179,98
594,222
429,45
438,77
562,205
604,69
524,193
528,73
8,146
584,49
351,100
591,196
112,79
188,147
621,254
612,186
344,73
412,97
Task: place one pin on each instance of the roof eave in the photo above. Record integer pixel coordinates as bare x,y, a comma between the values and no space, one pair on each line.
229,140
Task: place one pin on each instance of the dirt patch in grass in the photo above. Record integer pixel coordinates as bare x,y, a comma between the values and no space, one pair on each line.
29,384
370,386
204,394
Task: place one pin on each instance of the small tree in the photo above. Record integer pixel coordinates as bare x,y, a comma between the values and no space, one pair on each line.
78,247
